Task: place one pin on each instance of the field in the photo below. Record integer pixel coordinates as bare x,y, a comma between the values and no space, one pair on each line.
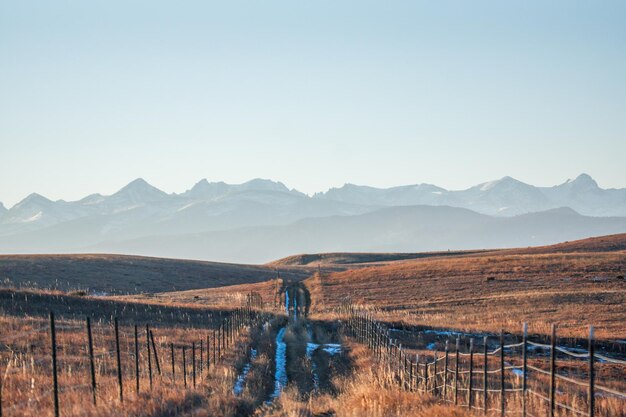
314,335
120,274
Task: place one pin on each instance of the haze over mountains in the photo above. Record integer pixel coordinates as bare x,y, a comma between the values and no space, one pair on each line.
261,220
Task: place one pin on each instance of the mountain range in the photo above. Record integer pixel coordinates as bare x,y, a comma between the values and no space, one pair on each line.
261,219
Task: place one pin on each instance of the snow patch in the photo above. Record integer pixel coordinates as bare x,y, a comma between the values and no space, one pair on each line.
32,218
244,373
280,376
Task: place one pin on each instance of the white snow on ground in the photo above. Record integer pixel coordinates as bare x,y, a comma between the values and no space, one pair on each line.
244,373
280,376
330,348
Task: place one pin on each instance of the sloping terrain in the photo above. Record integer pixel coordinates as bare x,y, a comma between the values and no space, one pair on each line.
119,274
490,292
356,258
609,243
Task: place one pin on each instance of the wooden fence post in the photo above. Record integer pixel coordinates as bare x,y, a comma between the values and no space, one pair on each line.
456,372
136,359
524,367
471,375
552,370
55,381
592,376
485,368
120,382
92,365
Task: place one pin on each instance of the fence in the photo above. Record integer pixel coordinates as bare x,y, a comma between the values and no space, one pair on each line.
109,359
519,377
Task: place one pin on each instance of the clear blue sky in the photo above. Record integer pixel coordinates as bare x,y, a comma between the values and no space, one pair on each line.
312,93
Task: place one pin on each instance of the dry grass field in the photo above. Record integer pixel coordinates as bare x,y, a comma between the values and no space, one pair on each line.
489,292
326,372
574,284
120,274
178,370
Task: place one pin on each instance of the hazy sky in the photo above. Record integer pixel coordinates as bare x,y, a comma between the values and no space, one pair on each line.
312,93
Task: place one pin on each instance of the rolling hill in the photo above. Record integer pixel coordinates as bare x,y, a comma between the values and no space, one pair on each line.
116,274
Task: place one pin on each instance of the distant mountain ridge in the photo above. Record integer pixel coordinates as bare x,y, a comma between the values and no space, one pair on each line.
140,211
504,197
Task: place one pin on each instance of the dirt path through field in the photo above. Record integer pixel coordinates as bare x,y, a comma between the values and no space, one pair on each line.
308,353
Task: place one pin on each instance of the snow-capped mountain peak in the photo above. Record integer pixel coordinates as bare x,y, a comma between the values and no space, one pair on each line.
33,199
141,208
139,191
583,181
261,184
507,182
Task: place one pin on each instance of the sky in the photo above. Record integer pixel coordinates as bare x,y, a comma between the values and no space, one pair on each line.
311,93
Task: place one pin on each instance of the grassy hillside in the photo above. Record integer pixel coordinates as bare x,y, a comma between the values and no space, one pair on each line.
488,292
609,243
359,258
118,274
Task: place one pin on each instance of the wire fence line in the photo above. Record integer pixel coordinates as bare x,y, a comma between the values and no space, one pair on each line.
517,378
113,359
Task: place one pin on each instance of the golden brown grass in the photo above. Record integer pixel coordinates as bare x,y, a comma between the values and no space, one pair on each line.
121,274
362,394
492,292
215,297
26,358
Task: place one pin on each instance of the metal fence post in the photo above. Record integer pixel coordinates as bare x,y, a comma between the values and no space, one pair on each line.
471,374
592,398
55,381
524,368
502,392
92,365
445,372
136,359
156,355
173,364
456,372
485,373
201,357
435,375
184,368
119,361
149,354
193,363
553,371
